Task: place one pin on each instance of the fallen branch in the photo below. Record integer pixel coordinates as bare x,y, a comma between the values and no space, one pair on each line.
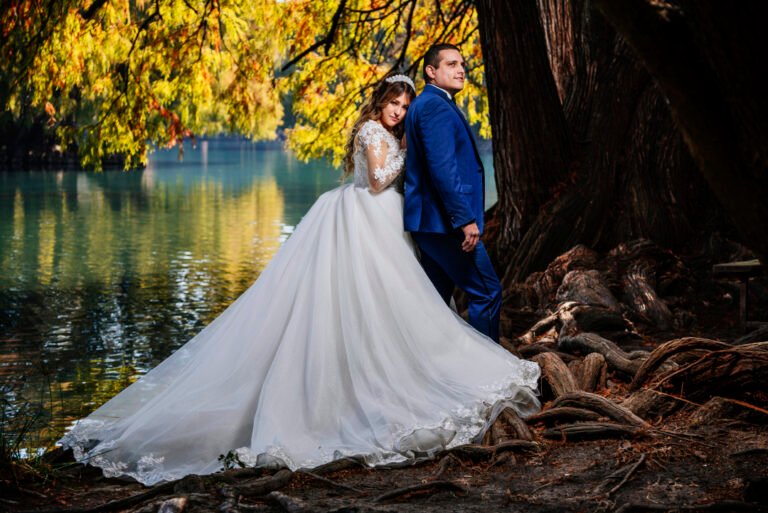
544,325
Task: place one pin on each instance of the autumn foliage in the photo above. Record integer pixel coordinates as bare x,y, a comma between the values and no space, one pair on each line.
118,77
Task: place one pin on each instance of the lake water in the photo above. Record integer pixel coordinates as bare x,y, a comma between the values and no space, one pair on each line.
103,275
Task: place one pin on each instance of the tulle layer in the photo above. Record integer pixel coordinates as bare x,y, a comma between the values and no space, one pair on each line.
342,347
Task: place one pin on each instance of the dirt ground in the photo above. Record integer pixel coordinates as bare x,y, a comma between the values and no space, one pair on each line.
665,420
721,467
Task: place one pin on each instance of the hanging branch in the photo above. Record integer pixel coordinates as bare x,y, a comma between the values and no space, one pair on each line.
459,15
88,14
326,42
375,9
401,59
439,10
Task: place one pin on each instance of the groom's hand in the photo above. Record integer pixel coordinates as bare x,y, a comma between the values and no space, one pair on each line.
471,237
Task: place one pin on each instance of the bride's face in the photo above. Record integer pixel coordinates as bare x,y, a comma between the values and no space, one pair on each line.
393,112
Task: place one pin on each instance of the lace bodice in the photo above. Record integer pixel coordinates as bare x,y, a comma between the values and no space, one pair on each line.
378,156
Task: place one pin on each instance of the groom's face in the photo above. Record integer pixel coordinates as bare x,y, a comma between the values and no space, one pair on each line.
449,72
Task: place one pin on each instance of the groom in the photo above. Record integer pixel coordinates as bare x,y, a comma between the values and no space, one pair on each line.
445,193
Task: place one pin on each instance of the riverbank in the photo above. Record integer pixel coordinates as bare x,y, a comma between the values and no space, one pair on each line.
674,465
653,400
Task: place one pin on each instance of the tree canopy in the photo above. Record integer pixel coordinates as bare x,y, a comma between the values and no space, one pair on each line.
111,77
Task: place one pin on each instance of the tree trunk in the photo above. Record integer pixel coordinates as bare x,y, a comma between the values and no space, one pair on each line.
585,150
517,70
706,58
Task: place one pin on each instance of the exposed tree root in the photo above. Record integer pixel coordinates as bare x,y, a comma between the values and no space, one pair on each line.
628,474
556,374
329,482
562,414
593,373
484,452
426,488
724,506
600,404
266,484
287,503
586,343
733,372
116,504
591,431
667,350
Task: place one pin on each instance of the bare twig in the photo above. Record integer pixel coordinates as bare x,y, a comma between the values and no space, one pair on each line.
401,59
629,473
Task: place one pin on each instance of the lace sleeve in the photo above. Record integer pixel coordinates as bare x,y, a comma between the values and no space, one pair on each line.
385,159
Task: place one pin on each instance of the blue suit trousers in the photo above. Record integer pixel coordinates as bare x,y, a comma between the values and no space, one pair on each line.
447,265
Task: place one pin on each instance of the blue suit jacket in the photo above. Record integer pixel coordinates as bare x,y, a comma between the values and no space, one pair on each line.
444,179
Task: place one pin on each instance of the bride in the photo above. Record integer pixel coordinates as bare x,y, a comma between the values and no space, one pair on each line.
342,347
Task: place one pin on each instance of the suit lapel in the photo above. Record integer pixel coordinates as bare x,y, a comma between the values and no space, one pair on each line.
442,94
469,131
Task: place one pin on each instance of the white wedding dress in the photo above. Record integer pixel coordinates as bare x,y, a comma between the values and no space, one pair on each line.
342,347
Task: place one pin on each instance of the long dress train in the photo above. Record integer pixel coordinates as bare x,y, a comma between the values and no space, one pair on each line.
342,347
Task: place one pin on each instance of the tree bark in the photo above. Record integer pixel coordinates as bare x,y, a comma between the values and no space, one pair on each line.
517,70
585,149
706,58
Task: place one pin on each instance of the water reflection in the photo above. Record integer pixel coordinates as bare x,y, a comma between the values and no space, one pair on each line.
102,276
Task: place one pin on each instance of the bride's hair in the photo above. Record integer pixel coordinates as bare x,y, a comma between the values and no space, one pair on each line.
384,93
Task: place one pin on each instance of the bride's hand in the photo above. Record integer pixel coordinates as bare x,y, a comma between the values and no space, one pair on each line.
403,142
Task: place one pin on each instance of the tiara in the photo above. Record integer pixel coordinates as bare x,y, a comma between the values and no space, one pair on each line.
401,78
